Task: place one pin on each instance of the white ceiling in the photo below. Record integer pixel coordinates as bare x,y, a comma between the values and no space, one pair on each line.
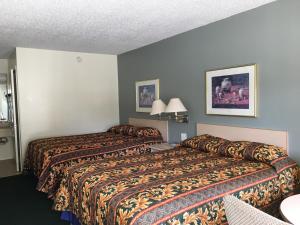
106,26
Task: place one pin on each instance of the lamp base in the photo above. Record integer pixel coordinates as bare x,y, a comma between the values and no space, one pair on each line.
176,118
182,119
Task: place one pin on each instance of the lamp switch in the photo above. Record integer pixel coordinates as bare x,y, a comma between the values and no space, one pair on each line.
183,136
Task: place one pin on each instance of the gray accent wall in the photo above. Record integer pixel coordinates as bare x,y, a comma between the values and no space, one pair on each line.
268,36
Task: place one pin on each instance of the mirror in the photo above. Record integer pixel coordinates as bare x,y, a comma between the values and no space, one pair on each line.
4,97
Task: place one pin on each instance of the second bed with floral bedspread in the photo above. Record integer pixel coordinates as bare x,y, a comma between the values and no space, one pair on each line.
48,158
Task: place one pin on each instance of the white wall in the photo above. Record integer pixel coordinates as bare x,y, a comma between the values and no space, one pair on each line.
60,96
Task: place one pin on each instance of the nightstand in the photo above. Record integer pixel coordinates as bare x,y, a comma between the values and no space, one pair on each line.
160,147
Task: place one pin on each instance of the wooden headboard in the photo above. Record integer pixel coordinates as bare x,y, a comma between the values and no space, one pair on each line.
278,138
161,125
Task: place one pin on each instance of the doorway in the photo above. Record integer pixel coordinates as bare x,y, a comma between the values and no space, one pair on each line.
9,129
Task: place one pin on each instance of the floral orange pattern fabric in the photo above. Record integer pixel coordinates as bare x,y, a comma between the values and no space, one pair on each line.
252,151
125,129
264,152
48,158
205,142
234,149
193,142
177,186
147,132
135,131
238,149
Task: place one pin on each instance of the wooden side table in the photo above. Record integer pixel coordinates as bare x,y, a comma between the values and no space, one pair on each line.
290,209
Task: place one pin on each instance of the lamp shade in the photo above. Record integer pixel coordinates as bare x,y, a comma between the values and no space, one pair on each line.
158,107
175,105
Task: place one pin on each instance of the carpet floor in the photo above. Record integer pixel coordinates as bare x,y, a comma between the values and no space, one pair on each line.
22,204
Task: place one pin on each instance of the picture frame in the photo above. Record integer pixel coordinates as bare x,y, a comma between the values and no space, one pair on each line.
232,91
146,92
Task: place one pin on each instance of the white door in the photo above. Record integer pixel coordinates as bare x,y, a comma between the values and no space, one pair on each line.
15,118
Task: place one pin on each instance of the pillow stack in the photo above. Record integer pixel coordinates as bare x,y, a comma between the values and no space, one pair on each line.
206,142
237,149
135,131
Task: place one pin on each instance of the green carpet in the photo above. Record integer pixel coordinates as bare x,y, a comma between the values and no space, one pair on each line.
21,204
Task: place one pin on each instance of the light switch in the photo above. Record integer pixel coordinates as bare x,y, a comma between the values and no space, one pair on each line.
183,136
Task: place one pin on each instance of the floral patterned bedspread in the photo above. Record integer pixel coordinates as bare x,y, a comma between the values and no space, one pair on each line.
47,158
178,186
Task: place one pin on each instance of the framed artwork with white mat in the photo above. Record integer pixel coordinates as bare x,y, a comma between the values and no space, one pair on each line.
231,91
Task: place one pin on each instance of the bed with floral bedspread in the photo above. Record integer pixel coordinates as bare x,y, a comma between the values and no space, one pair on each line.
184,185
47,158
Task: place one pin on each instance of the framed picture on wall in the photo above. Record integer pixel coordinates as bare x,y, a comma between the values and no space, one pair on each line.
146,92
231,91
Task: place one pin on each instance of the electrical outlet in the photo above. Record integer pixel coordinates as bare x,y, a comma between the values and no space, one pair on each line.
183,136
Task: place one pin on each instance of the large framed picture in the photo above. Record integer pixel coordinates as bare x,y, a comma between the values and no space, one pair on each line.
146,93
231,91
